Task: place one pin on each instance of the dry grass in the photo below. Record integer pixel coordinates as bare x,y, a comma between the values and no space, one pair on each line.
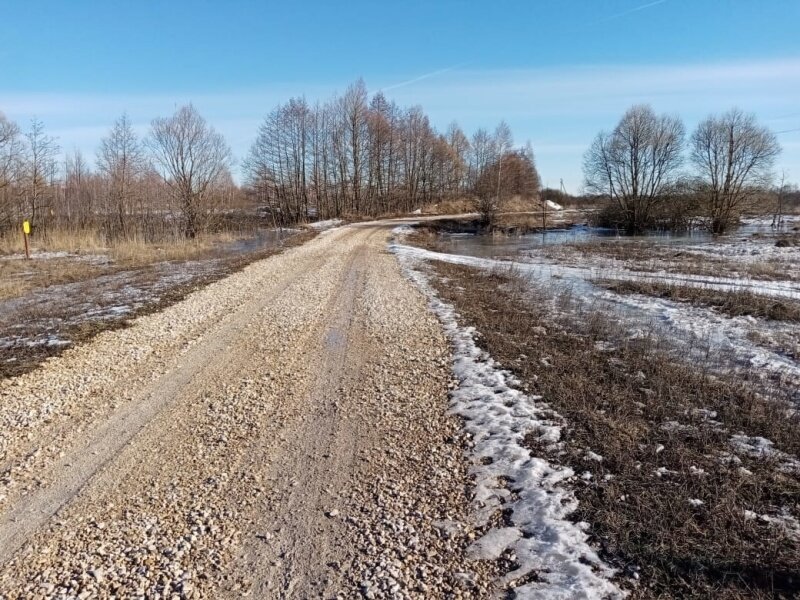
18,277
131,250
136,251
735,303
647,256
617,395
57,240
27,358
532,221
456,206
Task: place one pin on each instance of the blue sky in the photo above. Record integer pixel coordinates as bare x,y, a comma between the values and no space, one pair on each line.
557,71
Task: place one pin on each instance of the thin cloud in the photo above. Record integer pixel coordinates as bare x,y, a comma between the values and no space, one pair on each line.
423,77
630,11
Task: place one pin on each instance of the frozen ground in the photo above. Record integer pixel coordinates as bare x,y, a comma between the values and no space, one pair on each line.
43,320
553,557
746,343
536,494
38,317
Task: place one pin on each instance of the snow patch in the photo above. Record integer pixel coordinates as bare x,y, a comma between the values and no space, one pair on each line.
784,521
760,447
492,545
498,416
323,225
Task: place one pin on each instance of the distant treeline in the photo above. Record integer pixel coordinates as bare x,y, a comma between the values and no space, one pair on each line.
357,155
176,182
351,156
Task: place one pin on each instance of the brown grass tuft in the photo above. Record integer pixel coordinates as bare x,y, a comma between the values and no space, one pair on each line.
735,303
642,410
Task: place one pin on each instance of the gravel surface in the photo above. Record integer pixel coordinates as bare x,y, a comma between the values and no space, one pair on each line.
280,433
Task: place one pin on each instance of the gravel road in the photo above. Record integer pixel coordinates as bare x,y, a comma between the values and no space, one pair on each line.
281,433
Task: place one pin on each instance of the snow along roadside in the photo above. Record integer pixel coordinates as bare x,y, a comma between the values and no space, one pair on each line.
498,416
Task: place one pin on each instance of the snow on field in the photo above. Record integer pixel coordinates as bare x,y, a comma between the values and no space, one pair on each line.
545,268
697,328
499,417
36,318
693,328
98,259
759,447
784,521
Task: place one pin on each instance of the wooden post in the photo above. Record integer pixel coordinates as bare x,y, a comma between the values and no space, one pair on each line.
26,229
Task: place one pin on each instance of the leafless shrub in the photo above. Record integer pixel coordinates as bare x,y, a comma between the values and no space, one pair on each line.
636,165
733,156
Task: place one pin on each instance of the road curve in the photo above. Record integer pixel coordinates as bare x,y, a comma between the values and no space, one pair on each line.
281,433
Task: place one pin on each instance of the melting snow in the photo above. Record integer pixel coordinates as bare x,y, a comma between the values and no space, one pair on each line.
760,447
694,328
499,417
322,225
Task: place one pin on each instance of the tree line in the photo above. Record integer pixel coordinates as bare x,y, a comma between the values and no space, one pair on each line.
356,155
640,167
351,156
172,182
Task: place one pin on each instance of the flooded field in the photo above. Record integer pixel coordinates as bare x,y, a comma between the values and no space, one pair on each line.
736,297
754,234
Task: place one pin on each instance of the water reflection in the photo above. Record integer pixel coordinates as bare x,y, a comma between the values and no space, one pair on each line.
491,246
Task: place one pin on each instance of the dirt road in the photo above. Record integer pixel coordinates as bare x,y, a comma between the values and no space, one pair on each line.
280,433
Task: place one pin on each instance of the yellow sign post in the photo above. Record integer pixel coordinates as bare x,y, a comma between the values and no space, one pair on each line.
26,230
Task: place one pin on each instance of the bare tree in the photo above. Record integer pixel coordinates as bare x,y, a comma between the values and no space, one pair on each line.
489,189
733,156
192,158
39,169
636,164
353,112
9,149
780,195
75,206
10,153
122,160
512,175
460,148
481,155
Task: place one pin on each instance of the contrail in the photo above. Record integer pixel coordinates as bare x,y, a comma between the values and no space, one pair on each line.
458,66
425,76
630,11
